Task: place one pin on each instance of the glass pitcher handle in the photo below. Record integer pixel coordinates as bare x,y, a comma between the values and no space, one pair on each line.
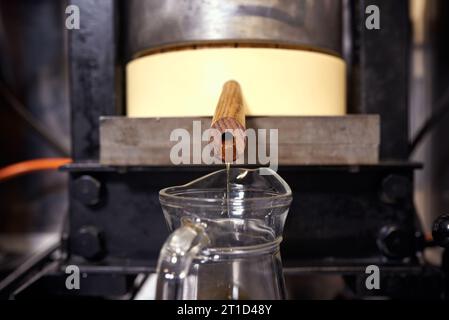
175,260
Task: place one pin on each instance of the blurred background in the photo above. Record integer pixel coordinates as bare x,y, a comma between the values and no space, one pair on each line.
34,123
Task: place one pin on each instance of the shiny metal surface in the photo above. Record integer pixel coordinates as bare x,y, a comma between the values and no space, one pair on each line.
154,24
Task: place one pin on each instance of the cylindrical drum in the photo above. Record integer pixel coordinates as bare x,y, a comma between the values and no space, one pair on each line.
286,54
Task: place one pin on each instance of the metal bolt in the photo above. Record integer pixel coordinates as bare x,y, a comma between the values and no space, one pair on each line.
395,242
89,243
87,189
440,231
395,188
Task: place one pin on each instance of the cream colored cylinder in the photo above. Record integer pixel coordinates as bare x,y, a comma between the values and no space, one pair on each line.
274,82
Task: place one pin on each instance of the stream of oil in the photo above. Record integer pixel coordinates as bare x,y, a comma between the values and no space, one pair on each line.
233,290
228,189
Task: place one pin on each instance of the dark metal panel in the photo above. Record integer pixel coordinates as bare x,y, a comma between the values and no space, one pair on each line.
93,54
381,63
339,212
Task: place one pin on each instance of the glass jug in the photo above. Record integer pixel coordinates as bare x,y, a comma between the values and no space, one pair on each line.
227,230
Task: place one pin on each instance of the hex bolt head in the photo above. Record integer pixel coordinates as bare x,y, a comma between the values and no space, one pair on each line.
395,188
395,242
440,231
89,243
87,190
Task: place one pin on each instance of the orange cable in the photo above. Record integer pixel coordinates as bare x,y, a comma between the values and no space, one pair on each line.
29,166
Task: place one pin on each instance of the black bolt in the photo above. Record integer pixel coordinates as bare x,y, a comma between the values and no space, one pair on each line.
87,190
89,243
395,242
440,231
396,188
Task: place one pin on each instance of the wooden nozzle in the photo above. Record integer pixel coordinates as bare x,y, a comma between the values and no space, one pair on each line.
229,121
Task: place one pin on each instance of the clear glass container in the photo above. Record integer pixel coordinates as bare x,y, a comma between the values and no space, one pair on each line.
227,227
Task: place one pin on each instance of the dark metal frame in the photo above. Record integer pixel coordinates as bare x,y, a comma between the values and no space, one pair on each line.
95,74
380,76
342,219
339,212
